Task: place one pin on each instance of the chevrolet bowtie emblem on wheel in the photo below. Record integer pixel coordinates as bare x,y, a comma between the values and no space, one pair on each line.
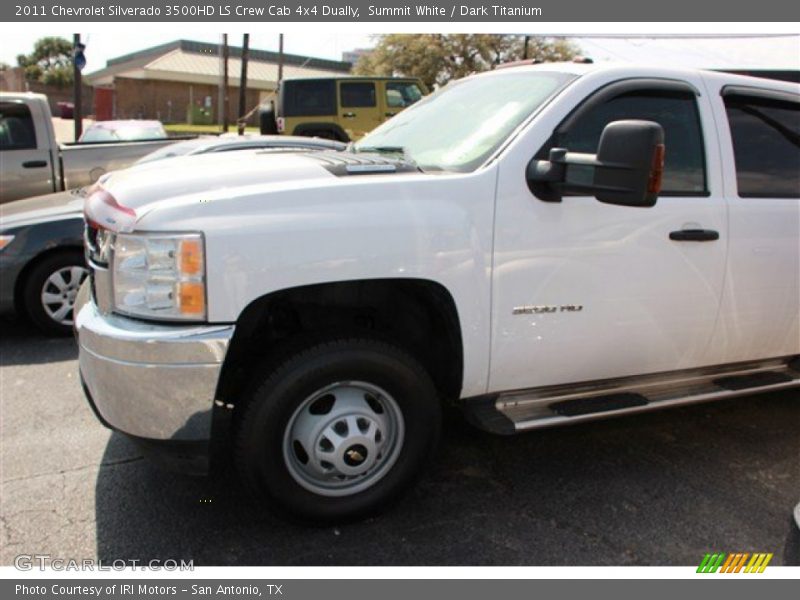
355,456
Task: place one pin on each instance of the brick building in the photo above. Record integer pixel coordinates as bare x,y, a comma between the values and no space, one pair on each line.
163,82
13,80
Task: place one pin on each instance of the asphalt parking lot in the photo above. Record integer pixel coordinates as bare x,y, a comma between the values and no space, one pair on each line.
656,489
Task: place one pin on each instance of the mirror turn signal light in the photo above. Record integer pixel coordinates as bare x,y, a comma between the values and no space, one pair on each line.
656,170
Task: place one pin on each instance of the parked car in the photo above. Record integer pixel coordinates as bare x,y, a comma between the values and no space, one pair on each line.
41,239
123,131
33,163
42,259
338,108
540,246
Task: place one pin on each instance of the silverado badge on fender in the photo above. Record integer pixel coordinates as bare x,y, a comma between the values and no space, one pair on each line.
530,309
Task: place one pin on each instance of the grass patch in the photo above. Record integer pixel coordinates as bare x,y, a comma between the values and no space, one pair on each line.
186,129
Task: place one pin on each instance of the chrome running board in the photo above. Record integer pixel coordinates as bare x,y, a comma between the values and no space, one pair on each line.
522,410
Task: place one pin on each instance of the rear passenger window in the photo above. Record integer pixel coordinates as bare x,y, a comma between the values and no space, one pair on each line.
675,111
16,127
306,98
358,94
766,146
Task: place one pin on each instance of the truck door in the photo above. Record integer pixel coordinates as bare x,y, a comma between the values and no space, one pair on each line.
584,291
760,141
26,165
359,110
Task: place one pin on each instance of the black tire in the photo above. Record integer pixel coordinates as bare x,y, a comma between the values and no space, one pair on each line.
275,397
33,286
325,133
791,553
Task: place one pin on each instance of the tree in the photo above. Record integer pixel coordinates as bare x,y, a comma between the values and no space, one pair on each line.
438,58
50,62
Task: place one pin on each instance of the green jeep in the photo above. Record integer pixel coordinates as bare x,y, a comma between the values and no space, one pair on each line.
338,108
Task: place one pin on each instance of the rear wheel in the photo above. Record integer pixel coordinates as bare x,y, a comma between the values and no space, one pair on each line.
50,289
324,133
339,430
327,134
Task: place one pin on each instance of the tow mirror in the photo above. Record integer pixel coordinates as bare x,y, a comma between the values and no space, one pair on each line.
628,167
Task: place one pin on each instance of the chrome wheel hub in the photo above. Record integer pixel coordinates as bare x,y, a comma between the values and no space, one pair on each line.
343,438
59,292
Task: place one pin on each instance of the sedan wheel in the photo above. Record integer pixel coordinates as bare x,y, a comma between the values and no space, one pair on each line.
49,291
59,292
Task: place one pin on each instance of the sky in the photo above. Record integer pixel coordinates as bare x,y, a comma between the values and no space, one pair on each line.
743,52
102,46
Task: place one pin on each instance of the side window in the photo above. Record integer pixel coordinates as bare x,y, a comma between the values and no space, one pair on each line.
401,94
358,94
766,146
16,127
306,98
675,111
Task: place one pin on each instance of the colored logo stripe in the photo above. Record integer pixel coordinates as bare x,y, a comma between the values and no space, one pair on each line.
758,563
735,562
711,563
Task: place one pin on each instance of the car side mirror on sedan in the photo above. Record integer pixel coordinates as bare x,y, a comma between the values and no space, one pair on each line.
628,167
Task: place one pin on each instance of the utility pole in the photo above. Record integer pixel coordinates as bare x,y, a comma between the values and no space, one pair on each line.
220,87
243,82
280,58
78,62
225,82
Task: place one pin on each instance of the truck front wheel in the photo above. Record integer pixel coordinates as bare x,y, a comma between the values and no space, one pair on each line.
339,429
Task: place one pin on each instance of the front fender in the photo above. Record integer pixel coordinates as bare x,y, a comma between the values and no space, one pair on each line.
436,228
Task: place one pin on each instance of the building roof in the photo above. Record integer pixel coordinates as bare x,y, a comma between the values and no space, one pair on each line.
198,62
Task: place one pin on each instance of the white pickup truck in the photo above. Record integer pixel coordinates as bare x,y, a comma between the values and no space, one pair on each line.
33,163
540,245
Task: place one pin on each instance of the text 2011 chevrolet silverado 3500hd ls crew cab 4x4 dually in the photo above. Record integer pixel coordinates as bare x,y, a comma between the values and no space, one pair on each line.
318,308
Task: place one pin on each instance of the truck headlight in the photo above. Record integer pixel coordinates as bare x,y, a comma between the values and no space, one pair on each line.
160,276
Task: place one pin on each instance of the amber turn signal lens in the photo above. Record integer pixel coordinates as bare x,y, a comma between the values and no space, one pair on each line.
191,257
192,298
656,170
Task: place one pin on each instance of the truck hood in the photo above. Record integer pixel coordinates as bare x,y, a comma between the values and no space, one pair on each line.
49,207
208,177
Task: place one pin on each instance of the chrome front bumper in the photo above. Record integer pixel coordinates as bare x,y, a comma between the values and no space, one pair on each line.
151,381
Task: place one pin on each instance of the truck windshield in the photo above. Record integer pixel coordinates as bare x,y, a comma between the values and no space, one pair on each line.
458,127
